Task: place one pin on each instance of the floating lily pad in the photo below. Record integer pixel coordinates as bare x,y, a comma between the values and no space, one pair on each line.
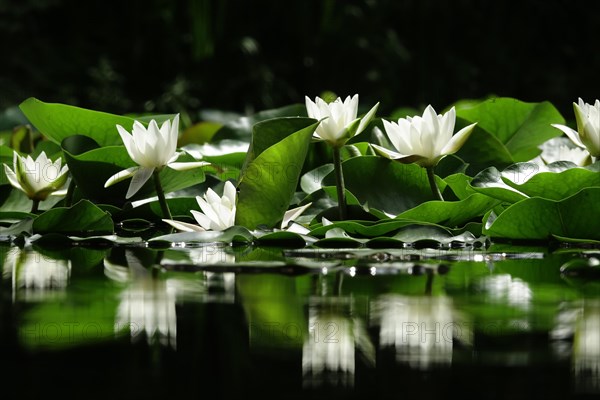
82,219
542,219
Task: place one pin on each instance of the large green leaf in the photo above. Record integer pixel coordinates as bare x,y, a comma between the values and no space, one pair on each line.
522,180
541,219
82,219
551,185
385,185
57,121
451,213
91,166
270,177
508,131
490,182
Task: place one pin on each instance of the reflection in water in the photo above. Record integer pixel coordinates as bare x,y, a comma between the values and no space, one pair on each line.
147,305
35,277
220,287
586,349
421,330
328,353
506,289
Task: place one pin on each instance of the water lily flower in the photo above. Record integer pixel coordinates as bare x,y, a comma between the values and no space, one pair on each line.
587,135
37,178
424,140
218,213
339,120
152,148
562,149
338,123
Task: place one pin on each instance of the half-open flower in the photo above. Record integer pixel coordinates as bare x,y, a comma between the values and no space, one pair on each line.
587,135
424,140
339,120
218,213
152,148
562,149
37,178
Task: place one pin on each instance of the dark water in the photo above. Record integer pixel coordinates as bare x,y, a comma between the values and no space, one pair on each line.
224,322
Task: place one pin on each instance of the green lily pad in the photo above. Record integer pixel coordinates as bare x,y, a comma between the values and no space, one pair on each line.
522,180
551,185
490,182
82,219
237,234
385,185
508,131
542,219
58,121
451,213
282,238
272,170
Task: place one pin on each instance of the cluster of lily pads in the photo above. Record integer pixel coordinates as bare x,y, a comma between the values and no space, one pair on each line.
318,173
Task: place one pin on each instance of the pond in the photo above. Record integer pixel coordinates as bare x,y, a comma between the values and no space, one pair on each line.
225,321
288,255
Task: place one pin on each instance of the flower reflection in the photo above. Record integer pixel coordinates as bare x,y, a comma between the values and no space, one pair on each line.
329,351
421,330
147,306
34,276
505,288
586,349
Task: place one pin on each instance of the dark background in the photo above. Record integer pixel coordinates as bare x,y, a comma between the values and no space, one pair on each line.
164,56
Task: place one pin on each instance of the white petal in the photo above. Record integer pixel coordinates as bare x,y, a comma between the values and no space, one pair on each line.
121,176
311,108
184,226
292,214
129,143
184,166
12,177
367,118
212,197
174,136
139,179
230,192
458,140
202,219
387,153
571,134
207,209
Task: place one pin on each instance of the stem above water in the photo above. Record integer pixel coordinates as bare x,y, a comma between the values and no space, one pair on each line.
339,182
161,196
433,184
34,206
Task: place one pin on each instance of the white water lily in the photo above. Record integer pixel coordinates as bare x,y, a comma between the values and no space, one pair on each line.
424,140
37,178
587,135
339,120
562,149
152,148
218,213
